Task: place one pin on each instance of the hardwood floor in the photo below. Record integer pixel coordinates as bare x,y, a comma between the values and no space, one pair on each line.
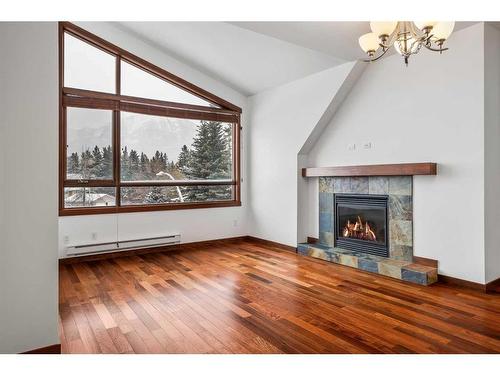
253,298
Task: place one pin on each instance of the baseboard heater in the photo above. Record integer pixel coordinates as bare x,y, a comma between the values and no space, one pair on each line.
109,247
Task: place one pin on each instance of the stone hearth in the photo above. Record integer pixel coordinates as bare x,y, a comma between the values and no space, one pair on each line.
398,269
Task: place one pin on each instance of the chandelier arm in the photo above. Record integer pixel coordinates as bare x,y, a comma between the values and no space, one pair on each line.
419,34
377,58
435,49
385,46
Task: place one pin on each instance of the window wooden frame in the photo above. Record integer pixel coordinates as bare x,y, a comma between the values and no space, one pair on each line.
78,98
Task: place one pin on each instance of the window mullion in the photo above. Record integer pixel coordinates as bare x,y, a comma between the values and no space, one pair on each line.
89,183
177,183
236,154
117,140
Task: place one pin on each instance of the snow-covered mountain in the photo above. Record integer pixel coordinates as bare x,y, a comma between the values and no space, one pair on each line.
138,132
150,133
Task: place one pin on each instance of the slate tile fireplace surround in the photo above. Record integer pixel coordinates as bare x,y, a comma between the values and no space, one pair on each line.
366,222
398,192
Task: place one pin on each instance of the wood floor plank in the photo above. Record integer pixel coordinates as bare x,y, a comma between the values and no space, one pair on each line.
120,340
247,297
101,334
88,338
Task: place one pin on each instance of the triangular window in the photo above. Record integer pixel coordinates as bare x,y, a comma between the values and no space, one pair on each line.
88,67
140,83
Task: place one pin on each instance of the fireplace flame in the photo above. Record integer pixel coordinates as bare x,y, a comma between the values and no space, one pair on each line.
359,230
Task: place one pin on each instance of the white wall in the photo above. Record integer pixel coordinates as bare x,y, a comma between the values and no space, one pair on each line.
432,110
492,149
281,121
28,199
193,225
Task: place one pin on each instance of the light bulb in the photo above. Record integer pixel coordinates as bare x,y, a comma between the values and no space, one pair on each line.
442,30
383,28
369,42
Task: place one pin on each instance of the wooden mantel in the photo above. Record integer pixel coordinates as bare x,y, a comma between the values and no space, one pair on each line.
404,169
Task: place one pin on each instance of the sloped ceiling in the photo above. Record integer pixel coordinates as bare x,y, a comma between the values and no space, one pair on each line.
338,39
254,56
247,61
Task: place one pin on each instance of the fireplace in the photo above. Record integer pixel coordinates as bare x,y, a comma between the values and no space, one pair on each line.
366,222
361,223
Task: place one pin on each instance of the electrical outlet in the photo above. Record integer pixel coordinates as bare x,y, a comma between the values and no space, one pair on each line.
94,236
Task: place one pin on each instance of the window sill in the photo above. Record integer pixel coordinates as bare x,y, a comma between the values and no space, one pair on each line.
126,209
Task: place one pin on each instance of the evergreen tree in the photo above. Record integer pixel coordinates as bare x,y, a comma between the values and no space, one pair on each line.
155,163
210,159
145,170
134,165
161,160
155,195
124,164
107,162
228,133
87,164
184,160
97,168
74,163
158,162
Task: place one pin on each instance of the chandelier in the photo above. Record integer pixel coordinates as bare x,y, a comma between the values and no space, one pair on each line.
406,37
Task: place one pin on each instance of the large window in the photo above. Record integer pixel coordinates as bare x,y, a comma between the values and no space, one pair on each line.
134,137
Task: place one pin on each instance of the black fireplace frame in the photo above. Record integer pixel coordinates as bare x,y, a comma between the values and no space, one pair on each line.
353,244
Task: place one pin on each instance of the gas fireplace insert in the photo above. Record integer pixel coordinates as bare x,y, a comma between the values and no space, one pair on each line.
361,222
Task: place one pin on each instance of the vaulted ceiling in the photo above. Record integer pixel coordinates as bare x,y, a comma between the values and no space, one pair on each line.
245,60
254,56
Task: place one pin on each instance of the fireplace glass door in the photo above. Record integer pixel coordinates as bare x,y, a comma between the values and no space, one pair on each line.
361,223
